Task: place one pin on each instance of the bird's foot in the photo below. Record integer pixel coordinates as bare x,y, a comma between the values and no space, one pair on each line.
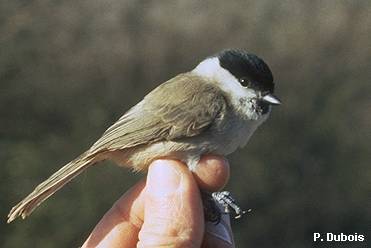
225,199
213,213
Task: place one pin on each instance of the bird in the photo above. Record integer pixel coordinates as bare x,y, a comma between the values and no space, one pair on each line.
212,109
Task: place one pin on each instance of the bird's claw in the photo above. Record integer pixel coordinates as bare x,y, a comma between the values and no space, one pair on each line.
225,199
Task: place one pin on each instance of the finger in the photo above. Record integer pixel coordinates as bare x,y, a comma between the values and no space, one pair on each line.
212,173
120,226
173,215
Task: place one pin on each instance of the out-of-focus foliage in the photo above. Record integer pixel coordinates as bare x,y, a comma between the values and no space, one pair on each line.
68,69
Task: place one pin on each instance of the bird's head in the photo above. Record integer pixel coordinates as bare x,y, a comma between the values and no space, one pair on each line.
246,79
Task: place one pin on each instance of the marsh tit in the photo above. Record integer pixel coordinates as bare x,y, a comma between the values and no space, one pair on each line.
213,109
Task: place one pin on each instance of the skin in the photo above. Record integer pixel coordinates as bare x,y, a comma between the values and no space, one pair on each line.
165,209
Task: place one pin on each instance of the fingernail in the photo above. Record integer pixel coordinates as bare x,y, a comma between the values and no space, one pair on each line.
220,231
163,179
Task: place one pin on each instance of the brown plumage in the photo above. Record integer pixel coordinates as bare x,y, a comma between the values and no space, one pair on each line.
149,122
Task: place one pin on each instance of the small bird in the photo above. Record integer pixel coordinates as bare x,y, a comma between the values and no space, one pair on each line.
213,109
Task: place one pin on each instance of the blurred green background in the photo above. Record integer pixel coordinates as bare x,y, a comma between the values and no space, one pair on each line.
68,69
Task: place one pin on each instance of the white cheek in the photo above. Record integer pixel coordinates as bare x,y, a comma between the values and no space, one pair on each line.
211,68
242,98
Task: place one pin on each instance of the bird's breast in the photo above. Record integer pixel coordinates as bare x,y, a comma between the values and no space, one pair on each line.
235,131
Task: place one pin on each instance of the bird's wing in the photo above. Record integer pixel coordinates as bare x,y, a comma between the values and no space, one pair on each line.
181,107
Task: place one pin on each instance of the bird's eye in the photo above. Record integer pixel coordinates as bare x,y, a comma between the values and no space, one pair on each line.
245,82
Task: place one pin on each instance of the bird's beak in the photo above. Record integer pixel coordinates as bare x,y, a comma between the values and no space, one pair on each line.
271,99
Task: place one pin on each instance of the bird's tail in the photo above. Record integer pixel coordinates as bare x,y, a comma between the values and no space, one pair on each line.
56,181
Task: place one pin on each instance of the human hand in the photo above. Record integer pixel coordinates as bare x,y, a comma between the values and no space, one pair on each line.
166,209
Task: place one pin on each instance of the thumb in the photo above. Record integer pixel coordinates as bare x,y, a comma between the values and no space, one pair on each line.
173,213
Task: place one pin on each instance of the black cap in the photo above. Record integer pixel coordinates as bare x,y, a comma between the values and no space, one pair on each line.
249,69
